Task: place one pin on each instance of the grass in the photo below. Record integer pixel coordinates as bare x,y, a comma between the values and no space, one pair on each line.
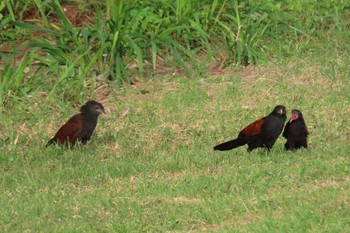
150,164
72,43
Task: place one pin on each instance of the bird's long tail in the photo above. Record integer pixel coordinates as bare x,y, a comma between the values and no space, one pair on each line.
230,144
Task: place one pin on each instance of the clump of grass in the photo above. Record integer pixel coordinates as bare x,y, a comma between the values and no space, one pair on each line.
125,39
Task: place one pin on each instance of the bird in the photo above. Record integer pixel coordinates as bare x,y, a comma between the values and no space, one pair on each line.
261,133
296,131
79,127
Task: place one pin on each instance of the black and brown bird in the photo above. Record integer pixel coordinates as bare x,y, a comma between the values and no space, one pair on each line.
296,131
79,127
261,133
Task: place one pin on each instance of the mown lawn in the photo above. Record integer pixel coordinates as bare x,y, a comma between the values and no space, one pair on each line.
150,164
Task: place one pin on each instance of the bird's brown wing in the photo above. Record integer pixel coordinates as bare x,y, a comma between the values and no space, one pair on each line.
71,130
253,129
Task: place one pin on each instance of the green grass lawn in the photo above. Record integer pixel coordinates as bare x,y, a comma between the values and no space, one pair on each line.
150,165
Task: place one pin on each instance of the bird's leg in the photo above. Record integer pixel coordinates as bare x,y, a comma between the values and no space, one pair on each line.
251,148
303,143
291,144
253,145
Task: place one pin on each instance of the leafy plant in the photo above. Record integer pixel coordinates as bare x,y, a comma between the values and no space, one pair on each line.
243,37
128,38
14,77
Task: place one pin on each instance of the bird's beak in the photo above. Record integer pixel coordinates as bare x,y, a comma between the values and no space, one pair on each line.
293,117
101,111
280,111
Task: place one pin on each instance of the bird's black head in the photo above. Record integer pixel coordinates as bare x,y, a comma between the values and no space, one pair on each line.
296,114
280,110
92,107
